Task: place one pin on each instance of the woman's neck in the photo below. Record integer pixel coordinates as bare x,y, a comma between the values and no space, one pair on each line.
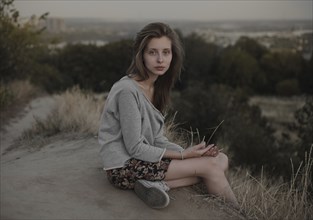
147,86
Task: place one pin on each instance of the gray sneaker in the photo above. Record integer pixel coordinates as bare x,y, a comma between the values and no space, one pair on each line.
153,193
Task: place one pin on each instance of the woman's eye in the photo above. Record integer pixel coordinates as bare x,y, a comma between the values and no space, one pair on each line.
152,52
166,52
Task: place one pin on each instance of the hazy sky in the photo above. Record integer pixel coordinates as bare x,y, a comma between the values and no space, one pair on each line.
167,10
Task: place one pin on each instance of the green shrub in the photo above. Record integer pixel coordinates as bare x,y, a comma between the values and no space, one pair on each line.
244,132
304,118
6,97
21,45
288,87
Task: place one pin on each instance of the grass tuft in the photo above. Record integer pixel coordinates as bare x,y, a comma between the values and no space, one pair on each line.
271,198
76,111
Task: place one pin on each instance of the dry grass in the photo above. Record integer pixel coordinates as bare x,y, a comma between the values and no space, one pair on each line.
269,198
75,111
14,96
175,134
23,90
17,91
261,197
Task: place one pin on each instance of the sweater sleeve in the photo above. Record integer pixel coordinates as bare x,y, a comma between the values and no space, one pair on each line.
130,119
162,142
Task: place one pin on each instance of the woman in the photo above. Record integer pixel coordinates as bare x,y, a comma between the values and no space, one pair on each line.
136,155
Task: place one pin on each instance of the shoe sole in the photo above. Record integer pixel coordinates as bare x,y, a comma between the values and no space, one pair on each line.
152,196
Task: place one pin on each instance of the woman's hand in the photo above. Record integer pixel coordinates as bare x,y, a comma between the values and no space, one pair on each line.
212,151
201,150
196,150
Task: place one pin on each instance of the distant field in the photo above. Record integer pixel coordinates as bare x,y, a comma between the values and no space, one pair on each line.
279,111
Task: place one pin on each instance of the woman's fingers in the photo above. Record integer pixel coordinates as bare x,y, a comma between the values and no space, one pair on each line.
202,150
212,151
199,146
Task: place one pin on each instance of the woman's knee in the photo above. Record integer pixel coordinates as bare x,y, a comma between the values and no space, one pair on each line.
223,161
218,163
212,164
214,171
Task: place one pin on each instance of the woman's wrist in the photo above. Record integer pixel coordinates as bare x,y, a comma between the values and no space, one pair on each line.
177,154
181,154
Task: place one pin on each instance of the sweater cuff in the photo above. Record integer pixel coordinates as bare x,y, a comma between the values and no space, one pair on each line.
162,155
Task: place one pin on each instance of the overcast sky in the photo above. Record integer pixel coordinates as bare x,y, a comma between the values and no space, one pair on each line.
167,10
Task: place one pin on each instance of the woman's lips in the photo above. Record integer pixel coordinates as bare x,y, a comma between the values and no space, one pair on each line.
159,68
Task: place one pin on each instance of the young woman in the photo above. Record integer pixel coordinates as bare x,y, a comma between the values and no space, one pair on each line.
136,154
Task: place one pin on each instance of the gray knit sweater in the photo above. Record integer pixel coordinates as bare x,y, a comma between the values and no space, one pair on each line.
131,127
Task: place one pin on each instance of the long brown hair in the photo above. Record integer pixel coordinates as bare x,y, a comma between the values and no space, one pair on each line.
164,83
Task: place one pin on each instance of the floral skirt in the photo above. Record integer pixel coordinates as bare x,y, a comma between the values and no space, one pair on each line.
135,169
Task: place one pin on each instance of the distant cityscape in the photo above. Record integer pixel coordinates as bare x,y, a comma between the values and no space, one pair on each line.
293,35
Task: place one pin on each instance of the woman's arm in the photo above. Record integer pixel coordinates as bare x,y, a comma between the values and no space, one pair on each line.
162,142
194,151
130,121
178,155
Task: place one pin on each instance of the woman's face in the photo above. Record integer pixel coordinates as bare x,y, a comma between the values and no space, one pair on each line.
158,55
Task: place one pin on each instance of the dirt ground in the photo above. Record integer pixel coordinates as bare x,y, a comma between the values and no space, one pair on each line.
65,180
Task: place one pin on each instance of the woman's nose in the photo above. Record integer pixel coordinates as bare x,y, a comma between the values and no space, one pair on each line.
160,58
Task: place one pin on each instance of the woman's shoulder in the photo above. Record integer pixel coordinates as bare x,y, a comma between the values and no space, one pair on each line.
125,84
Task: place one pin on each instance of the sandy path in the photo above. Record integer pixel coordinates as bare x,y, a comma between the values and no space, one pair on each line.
64,180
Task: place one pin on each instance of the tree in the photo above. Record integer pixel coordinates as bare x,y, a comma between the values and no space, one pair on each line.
237,68
306,79
304,118
20,46
90,67
279,66
76,65
199,61
251,46
113,61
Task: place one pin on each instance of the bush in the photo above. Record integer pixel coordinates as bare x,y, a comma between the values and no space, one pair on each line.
246,134
13,97
6,96
76,111
20,45
304,119
237,68
88,66
16,92
288,87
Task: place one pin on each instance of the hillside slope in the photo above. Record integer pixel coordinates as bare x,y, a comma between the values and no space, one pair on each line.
64,180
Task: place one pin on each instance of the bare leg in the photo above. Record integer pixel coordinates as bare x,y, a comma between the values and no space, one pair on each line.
210,169
188,181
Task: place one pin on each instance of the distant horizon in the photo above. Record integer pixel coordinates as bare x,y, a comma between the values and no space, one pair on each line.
169,10
174,20
148,19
